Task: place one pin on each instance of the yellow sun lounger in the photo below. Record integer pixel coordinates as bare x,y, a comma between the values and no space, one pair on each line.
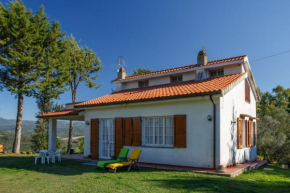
133,160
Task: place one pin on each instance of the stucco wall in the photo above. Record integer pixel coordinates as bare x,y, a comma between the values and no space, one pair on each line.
199,150
238,68
231,106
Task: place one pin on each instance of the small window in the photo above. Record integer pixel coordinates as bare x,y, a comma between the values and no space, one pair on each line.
215,73
158,131
247,92
143,83
176,78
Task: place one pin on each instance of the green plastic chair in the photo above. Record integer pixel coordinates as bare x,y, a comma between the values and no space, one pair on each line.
121,157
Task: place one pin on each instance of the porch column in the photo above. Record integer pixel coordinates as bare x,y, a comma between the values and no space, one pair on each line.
52,126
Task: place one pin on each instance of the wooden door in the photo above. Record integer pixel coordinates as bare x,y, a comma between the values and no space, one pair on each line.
95,138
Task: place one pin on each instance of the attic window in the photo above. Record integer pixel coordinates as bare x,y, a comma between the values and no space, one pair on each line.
143,83
215,73
247,92
176,78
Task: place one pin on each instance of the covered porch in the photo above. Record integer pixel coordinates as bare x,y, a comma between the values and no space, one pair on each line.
68,114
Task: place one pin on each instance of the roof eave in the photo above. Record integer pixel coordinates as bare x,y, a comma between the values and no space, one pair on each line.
152,99
64,115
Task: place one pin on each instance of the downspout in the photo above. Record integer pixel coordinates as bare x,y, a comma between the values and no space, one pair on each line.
214,131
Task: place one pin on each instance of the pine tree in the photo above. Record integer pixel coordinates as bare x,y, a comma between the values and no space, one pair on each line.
83,68
29,52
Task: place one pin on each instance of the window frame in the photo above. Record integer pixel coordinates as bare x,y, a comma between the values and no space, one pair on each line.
101,135
154,134
178,78
247,92
217,72
140,83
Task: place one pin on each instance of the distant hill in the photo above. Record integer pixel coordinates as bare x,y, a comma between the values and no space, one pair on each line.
28,126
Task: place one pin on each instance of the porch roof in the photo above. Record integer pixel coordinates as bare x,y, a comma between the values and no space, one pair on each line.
62,113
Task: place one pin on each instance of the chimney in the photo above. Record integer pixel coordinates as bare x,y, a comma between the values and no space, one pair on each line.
121,73
201,57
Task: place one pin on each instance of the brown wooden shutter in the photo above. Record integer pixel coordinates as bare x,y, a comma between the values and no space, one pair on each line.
95,138
127,125
240,133
250,133
118,135
180,131
247,92
136,131
255,133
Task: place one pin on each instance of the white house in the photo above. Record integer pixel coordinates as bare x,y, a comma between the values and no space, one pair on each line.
200,115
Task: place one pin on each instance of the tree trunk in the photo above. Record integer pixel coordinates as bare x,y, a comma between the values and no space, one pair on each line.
17,139
70,136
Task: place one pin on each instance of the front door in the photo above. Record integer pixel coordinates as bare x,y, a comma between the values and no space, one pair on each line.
107,131
95,138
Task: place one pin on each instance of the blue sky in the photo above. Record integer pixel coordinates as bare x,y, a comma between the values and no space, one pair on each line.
165,33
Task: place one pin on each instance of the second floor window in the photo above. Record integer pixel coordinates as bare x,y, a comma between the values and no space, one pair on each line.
176,78
143,83
215,73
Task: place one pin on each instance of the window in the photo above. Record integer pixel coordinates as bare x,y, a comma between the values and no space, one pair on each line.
143,83
215,73
176,78
158,131
247,92
107,137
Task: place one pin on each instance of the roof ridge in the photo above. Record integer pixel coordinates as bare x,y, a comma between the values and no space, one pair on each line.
169,69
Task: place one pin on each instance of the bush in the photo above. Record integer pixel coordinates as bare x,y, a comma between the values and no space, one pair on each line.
23,152
259,157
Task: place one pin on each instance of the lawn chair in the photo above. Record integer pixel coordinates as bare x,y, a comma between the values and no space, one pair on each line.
41,155
121,157
50,155
132,162
37,156
57,155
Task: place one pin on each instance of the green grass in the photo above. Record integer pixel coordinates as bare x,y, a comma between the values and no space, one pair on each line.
19,174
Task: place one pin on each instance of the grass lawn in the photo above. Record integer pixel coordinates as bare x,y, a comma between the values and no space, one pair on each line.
19,174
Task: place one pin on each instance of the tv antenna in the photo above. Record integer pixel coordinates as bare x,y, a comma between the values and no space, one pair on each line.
120,63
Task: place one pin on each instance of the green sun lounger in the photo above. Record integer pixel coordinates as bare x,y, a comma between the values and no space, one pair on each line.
121,157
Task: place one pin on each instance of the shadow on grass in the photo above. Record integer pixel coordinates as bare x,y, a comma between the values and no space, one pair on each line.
66,167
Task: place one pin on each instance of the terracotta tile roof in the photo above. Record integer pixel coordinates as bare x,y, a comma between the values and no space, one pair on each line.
64,112
184,67
172,90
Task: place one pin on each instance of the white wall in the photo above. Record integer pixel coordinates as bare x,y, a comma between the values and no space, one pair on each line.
154,81
232,105
199,150
188,76
235,69
159,80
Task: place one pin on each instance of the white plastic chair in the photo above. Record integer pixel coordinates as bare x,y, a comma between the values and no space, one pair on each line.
57,155
50,155
37,156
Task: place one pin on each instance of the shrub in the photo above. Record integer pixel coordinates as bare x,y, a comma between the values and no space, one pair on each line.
23,152
259,157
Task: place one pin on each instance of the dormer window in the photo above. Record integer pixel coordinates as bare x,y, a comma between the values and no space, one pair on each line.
215,73
143,83
176,78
